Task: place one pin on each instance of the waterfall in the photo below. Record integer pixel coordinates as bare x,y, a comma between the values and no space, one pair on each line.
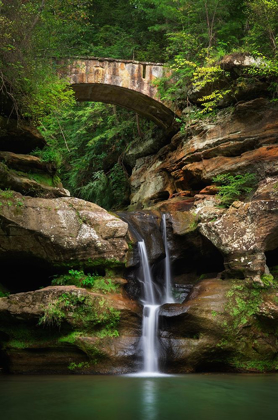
150,342
150,315
147,278
150,339
153,296
168,282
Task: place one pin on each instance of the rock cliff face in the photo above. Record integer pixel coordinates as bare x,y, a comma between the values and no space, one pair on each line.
224,260
240,141
43,234
223,326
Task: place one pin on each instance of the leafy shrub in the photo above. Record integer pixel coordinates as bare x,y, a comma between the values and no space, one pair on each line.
49,155
233,187
89,281
76,366
243,304
54,314
76,278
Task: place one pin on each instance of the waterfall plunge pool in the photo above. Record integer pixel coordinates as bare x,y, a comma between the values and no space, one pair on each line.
192,397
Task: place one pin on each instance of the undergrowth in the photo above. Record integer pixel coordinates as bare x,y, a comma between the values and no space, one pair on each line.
89,281
90,313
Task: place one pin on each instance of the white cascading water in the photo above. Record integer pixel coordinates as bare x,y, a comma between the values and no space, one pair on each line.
148,298
150,343
150,339
150,315
168,283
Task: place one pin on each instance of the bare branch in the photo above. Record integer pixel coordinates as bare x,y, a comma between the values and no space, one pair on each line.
62,132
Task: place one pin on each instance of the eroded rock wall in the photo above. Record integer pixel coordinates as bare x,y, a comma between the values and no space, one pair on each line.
239,141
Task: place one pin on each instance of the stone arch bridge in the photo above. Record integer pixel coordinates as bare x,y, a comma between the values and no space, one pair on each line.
120,82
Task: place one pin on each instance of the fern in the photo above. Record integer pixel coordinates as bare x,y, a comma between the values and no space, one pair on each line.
234,187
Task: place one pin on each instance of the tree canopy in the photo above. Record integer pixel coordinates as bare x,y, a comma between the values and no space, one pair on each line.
191,36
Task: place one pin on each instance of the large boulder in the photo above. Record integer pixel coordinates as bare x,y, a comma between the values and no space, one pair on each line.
243,233
64,329
62,232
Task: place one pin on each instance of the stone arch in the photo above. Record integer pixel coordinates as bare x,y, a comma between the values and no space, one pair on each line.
126,83
127,98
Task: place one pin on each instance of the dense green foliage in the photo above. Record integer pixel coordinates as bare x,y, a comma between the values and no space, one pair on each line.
88,141
32,32
189,34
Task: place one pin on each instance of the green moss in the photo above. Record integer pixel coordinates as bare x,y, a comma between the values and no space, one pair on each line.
8,198
70,338
6,194
109,263
43,178
255,365
203,276
193,225
243,304
92,349
23,336
223,343
130,245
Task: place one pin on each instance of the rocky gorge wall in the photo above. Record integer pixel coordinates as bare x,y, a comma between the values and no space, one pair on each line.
224,260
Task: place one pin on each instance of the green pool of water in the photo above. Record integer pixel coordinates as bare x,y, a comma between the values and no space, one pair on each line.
200,397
